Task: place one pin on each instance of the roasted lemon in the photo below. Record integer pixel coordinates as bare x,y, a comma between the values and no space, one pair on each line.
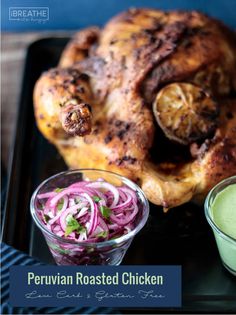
185,112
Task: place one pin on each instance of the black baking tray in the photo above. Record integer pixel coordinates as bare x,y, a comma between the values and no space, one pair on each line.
182,236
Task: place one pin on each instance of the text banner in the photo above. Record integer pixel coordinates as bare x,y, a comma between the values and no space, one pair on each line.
107,286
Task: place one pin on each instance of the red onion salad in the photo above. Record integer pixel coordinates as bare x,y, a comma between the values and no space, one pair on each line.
89,211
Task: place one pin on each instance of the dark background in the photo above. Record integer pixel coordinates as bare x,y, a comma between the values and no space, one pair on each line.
73,14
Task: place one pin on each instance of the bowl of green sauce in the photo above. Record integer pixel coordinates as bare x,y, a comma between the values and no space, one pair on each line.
220,211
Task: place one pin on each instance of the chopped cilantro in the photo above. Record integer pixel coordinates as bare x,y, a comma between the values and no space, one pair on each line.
105,211
60,204
114,237
57,248
81,229
90,249
46,218
58,190
40,206
73,225
77,200
102,234
69,218
96,198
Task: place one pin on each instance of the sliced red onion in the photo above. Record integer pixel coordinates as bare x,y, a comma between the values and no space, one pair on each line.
65,203
64,215
99,211
123,205
127,219
47,195
107,186
129,191
113,226
61,213
94,214
103,225
82,212
78,184
66,191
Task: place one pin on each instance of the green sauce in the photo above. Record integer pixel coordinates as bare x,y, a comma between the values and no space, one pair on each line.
223,210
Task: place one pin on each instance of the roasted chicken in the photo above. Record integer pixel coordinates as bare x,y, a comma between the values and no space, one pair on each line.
149,96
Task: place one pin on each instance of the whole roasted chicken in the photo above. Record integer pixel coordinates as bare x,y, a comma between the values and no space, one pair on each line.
149,96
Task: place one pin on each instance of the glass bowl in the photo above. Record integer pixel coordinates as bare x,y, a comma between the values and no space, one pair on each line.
225,243
71,252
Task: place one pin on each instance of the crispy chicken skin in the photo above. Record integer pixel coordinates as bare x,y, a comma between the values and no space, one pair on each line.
78,48
101,106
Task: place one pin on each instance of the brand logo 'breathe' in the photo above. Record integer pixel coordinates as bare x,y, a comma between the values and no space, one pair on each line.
29,14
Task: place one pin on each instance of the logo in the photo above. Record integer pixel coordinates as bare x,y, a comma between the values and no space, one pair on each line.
29,14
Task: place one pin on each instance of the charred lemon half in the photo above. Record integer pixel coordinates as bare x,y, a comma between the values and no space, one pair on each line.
185,112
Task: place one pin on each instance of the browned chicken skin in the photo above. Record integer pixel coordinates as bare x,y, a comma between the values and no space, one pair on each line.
113,102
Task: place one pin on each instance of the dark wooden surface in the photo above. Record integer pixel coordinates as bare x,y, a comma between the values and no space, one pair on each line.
13,52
